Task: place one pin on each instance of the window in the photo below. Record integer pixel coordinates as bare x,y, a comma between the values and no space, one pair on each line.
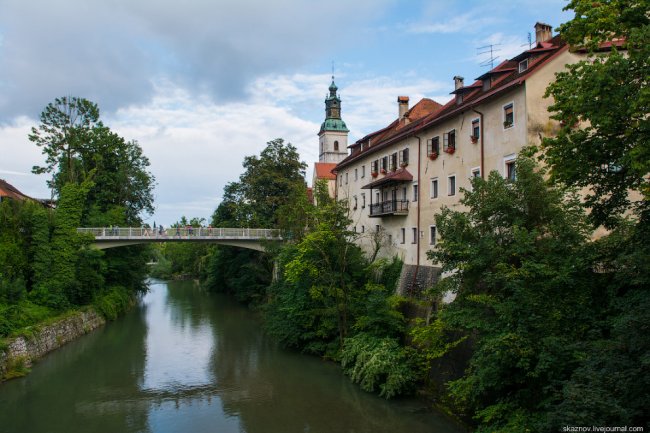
415,235
476,172
355,229
336,146
508,115
377,228
510,170
476,129
341,180
363,229
403,241
451,182
449,141
415,192
523,65
433,146
404,158
363,171
390,239
434,188
377,197
356,174
405,195
432,235
393,161
363,200
374,166
355,202
346,178
384,164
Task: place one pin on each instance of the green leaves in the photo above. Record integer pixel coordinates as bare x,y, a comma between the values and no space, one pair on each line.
602,102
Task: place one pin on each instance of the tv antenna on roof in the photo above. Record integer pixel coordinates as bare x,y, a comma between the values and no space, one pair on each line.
488,49
530,42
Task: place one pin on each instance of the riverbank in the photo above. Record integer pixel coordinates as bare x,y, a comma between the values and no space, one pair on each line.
20,352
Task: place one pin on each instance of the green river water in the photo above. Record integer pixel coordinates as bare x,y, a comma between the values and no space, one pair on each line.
189,361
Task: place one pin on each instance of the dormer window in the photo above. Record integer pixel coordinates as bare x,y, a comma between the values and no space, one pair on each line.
523,65
487,83
459,98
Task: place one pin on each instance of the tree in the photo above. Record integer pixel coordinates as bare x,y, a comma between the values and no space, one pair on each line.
66,125
603,103
525,290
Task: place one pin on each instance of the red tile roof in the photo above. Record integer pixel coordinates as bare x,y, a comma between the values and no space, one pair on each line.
324,170
8,190
399,175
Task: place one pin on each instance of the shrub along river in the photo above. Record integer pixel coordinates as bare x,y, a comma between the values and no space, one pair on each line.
185,360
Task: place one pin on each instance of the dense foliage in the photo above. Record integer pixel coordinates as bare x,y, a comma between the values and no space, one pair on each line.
550,312
608,97
99,179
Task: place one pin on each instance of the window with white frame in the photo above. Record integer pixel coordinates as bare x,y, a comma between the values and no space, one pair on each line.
355,202
403,238
451,185
384,164
363,171
476,129
346,177
476,172
415,192
393,161
509,167
434,188
356,174
363,229
433,147
508,115
363,200
523,65
432,235
449,141
415,235
404,157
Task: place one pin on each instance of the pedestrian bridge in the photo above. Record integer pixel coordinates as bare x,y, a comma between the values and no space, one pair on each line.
111,237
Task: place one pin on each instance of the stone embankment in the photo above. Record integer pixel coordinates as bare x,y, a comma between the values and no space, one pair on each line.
24,350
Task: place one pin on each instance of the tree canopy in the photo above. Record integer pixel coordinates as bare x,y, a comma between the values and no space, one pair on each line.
603,103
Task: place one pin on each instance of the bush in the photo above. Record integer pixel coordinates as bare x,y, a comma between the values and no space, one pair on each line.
378,363
113,303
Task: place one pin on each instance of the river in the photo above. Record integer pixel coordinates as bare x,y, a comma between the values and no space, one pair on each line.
189,361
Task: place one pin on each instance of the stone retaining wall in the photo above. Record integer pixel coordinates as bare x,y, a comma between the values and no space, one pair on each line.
48,338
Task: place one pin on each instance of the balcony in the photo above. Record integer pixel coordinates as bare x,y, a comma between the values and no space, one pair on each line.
390,207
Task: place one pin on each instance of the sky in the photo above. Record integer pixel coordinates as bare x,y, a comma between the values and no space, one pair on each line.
201,84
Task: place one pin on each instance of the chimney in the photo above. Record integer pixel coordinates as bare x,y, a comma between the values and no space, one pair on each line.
543,32
458,82
403,104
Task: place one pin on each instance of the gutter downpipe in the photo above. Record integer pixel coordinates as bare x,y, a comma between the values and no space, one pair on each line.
482,134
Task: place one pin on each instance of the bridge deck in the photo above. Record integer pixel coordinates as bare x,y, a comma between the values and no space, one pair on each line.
108,237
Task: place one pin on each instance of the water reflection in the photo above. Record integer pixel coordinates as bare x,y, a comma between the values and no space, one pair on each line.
186,360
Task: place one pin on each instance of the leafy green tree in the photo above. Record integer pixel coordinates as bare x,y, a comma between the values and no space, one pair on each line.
522,272
65,129
608,96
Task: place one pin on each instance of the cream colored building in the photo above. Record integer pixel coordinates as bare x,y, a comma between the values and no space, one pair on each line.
396,179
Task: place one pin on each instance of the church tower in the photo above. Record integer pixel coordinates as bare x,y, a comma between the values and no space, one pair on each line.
333,135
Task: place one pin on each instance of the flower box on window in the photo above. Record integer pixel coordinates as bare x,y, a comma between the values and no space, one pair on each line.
374,174
383,171
433,155
450,149
507,124
474,138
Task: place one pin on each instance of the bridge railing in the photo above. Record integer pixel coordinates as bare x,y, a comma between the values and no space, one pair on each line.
180,232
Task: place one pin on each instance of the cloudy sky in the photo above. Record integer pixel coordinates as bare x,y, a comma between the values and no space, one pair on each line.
202,83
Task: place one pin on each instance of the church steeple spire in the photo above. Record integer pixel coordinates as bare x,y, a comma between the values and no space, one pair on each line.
333,131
